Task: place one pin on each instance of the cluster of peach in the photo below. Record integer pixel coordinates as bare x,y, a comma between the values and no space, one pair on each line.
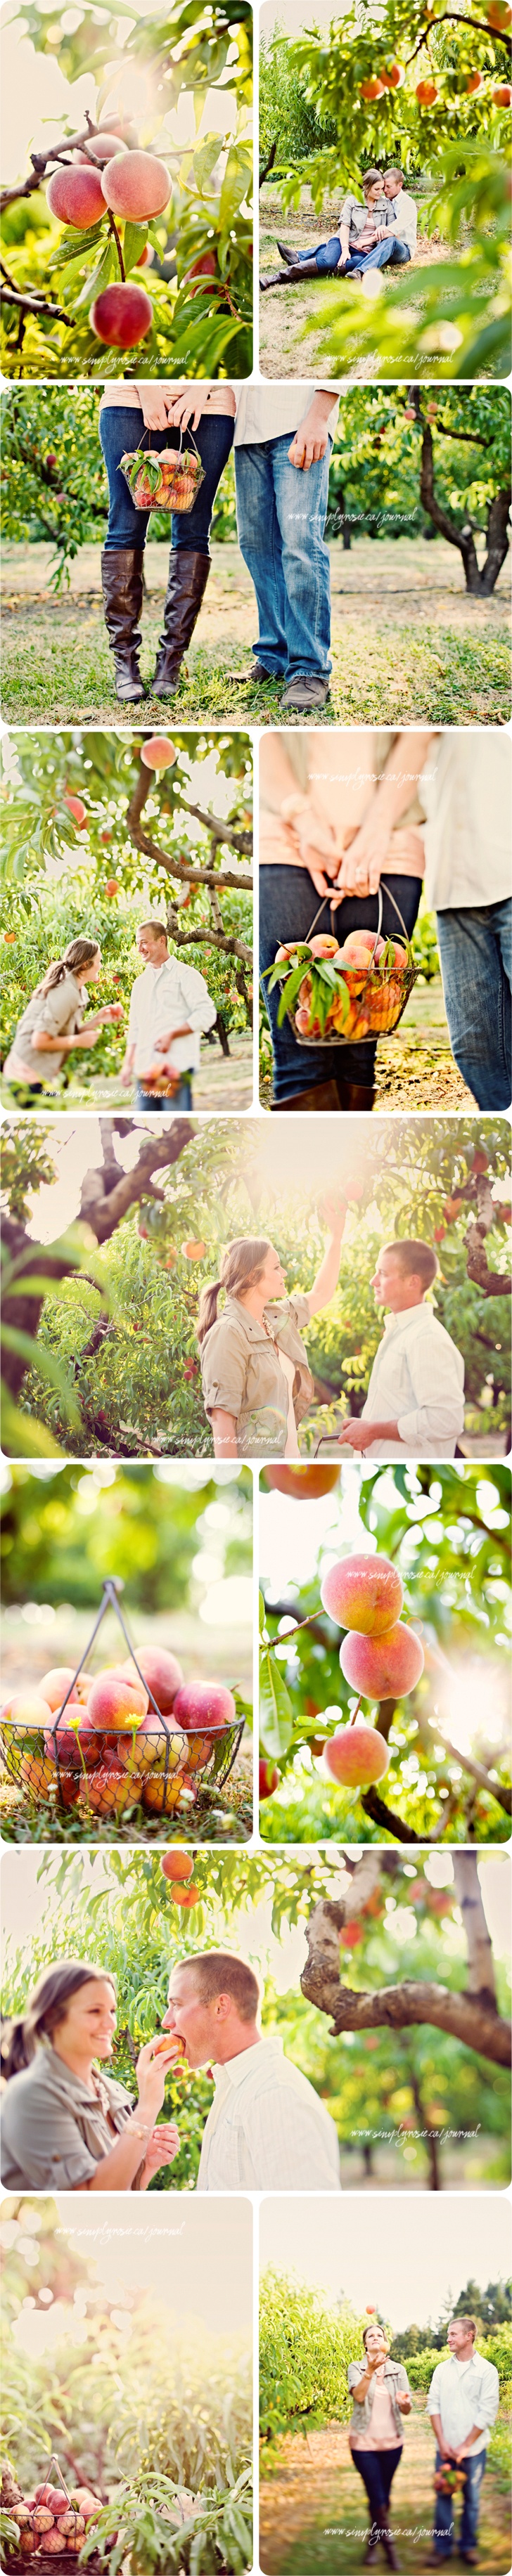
380,1656
112,1745
367,991
50,2523
132,187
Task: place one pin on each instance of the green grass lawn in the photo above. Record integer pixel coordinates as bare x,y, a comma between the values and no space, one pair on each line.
407,643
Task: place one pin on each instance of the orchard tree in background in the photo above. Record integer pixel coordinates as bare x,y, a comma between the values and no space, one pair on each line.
54,485
428,2033
427,87
148,1388
148,270
415,459
84,799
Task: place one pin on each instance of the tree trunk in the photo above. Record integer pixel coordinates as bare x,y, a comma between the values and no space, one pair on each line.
479,584
429,2135
480,1981
464,2016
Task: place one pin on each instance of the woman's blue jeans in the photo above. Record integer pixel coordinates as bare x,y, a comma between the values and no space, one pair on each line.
281,512
327,255
377,2470
120,430
288,904
475,948
444,2523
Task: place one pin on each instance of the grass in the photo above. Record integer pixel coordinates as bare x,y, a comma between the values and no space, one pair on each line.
313,2514
408,644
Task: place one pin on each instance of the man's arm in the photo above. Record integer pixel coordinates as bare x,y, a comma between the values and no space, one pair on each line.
310,440
360,1435
437,1382
443,2447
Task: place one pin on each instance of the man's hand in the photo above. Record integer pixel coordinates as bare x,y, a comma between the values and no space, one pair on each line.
356,1435
162,1044
126,1075
310,440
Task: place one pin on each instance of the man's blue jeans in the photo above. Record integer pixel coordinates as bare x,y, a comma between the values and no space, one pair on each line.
288,904
121,428
475,948
281,514
181,1099
327,255
444,2519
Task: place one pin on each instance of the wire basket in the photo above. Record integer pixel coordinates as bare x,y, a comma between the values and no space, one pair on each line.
99,1774
39,2556
168,478
344,1005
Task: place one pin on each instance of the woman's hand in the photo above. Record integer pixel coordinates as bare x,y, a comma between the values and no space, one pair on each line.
162,2148
153,2064
362,863
315,842
186,407
154,402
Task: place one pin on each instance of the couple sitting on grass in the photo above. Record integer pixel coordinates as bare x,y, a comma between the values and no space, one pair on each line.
372,234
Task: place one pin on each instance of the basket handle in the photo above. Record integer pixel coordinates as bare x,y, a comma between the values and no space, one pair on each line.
147,434
396,908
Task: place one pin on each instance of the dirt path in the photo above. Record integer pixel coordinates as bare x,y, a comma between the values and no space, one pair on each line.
285,348
407,641
313,2511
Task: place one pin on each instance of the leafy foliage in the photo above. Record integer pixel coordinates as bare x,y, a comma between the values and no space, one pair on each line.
196,334
54,484
306,2348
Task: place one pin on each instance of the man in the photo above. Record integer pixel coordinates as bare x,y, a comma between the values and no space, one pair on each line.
283,440
466,792
402,214
169,1006
415,1401
370,236
267,2129
463,2403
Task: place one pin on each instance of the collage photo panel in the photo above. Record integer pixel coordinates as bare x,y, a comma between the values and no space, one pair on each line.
256,1234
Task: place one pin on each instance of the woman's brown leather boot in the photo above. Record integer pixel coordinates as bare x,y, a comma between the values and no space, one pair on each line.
121,577
188,575
320,1095
354,1095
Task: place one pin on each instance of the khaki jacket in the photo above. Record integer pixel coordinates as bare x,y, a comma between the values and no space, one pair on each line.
242,1374
53,2132
60,1013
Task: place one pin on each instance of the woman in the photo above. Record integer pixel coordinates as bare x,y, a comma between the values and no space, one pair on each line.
52,1024
381,2393
66,2126
256,1381
125,411
336,813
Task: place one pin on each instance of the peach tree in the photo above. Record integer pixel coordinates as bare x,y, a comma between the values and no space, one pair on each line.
432,461
143,256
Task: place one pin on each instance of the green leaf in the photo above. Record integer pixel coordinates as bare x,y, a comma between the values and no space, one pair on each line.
276,1717
135,238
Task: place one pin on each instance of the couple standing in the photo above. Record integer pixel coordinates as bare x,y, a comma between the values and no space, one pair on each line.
169,1008
282,442
462,2404
257,1384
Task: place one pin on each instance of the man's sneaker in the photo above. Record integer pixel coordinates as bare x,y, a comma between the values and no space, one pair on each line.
308,690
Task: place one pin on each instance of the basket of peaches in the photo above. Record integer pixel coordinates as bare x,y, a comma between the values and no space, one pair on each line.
132,1734
340,995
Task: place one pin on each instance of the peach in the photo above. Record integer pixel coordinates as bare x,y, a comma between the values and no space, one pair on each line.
158,752
193,1251
199,1748
160,1796
282,954
161,1671
363,1592
115,1701
106,1791
303,1484
385,1667
268,1779
38,1777
122,315
204,1704
75,1744
27,1709
76,808
55,1684
177,1865
322,945
135,186
302,1020
75,197
148,1750
356,1756
103,147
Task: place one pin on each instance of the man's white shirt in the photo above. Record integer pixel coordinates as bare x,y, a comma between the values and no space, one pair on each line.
276,411
464,2393
267,2129
466,791
163,998
402,218
417,1381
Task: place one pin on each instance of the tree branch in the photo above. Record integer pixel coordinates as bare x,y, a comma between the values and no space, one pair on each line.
56,152
394,2007
29,303
177,868
375,1807
105,1214
456,16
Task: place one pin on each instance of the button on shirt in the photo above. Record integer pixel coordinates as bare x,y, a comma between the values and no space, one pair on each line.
54,2130
162,998
464,2393
417,1381
267,2129
273,411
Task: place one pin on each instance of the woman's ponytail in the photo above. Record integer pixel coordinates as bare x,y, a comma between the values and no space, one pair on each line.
241,1264
80,952
208,1303
17,2048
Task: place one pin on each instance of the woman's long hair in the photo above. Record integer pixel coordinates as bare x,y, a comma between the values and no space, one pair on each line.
46,2009
79,953
242,1262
